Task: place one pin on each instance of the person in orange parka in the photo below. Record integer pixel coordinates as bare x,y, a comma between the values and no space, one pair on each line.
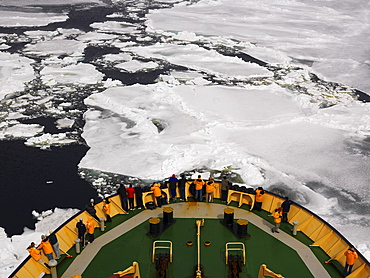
90,226
351,256
46,247
106,209
259,199
210,188
35,253
277,214
156,188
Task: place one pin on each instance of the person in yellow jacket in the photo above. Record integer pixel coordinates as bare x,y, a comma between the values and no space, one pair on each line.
156,188
35,253
277,214
259,199
351,256
90,227
106,209
199,183
46,247
210,188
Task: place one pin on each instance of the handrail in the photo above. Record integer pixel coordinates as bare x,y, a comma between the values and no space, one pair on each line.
314,227
235,249
162,247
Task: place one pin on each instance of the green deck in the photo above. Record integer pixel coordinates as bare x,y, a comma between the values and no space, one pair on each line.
135,245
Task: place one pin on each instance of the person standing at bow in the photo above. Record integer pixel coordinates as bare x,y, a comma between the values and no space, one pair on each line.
46,247
156,188
172,184
224,189
90,227
199,183
259,199
351,256
210,188
54,243
277,220
131,195
106,209
182,186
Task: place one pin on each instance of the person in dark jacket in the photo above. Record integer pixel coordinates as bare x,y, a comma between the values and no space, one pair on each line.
139,196
182,186
54,243
81,230
91,209
224,189
173,185
123,195
286,207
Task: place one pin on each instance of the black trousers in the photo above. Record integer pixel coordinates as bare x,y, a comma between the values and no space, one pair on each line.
91,237
159,201
258,206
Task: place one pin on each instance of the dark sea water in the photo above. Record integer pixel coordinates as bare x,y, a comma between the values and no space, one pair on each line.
24,174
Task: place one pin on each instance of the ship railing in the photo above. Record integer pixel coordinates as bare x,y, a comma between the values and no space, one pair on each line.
323,235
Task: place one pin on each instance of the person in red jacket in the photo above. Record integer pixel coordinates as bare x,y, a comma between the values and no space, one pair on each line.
131,196
351,256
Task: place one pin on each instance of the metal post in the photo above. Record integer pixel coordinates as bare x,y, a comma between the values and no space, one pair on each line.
295,227
78,247
53,269
102,224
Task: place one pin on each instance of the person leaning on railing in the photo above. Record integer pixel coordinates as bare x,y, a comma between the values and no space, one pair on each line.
156,188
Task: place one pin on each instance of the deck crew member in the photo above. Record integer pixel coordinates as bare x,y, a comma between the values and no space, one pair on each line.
199,188
54,243
90,227
277,214
259,199
156,188
351,256
106,209
46,247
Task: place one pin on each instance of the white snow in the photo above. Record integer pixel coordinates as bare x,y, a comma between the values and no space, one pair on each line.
269,134
13,250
